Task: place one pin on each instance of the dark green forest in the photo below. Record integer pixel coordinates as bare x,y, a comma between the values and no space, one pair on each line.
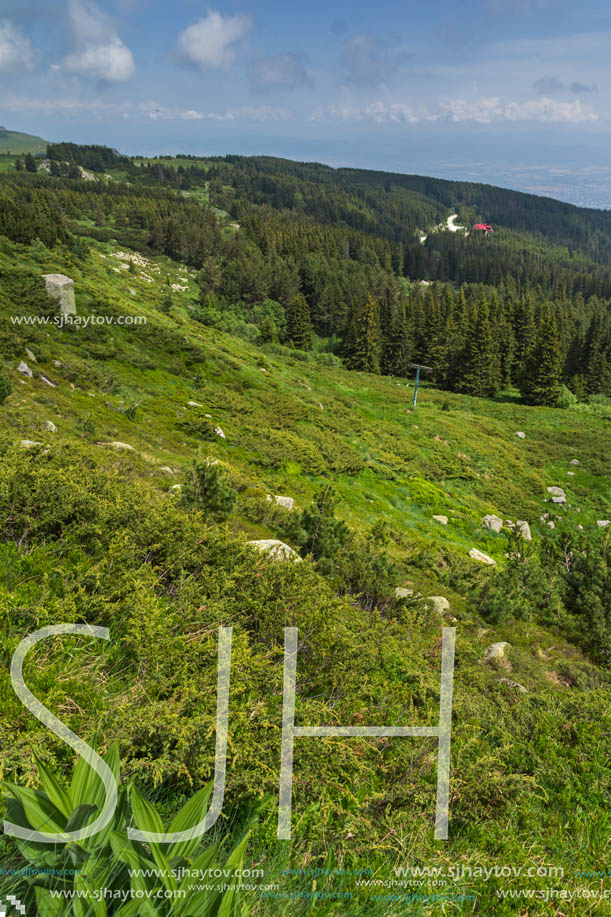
304,252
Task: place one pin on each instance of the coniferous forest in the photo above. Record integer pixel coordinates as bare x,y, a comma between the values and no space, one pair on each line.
338,254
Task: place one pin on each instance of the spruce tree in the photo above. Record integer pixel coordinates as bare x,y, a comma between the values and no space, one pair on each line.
299,323
364,349
479,371
542,377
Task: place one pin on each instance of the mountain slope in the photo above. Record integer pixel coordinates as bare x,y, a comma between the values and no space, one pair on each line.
18,142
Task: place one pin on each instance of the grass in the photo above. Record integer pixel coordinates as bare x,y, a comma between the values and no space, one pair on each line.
530,773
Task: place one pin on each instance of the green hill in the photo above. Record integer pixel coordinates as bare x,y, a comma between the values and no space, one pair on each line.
19,143
145,451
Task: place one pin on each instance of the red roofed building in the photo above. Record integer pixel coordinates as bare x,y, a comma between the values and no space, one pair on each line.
484,227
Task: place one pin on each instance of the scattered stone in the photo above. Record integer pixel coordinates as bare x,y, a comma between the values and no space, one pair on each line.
574,461
118,446
479,555
524,530
286,502
521,435
48,381
321,406
439,603
603,523
443,520
57,363
571,474
276,549
557,493
496,650
402,593
580,528
30,355
551,524
50,426
61,288
513,684
25,369
166,469
492,522
195,404
209,416
29,443
219,432
176,488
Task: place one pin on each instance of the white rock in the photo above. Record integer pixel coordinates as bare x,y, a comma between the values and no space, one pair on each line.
580,528
402,593
195,404
443,520
513,684
496,650
479,555
48,381
439,603
166,469
219,432
30,355
521,435
118,446
286,502
560,501
209,416
557,492
574,461
524,530
57,363
176,488
551,524
571,474
25,369
61,288
492,522
603,523
28,443
50,426
276,549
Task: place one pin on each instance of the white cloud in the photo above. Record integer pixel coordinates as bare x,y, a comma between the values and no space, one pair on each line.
158,112
208,42
15,49
481,111
99,53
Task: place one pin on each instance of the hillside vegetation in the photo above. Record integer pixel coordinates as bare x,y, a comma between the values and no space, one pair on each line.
140,458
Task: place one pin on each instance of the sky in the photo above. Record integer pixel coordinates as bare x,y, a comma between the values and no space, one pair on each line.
515,92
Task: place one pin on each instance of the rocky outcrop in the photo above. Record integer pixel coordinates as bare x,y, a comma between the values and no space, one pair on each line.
61,288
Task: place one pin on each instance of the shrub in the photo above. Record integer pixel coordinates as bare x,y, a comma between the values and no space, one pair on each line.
209,488
566,398
5,387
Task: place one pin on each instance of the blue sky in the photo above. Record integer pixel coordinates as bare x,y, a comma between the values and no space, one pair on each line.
513,91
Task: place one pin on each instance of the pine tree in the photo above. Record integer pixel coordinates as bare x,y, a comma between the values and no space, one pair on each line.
479,372
299,323
541,381
363,352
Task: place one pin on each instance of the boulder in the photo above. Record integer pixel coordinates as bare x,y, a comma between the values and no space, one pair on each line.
496,650
492,522
560,501
50,426
443,520
521,435
30,355
439,603
513,684
603,523
25,369
483,558
276,549
286,502
61,288
524,529
118,446
557,493
574,461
